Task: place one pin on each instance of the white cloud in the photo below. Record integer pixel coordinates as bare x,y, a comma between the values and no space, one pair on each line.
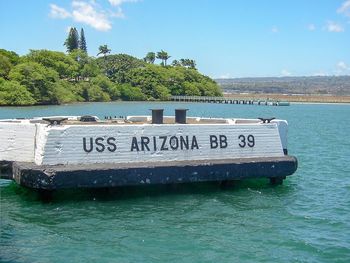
91,13
311,27
341,65
342,68
274,29
58,12
320,73
334,27
345,8
68,29
225,76
119,13
87,13
119,2
285,73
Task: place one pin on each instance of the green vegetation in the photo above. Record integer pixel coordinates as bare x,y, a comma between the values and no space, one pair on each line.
163,56
104,50
82,42
150,57
72,41
51,77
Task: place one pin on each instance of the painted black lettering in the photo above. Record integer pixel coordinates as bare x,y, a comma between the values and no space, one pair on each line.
111,144
223,141
144,143
154,143
213,142
174,142
194,143
134,145
184,142
250,138
84,145
251,141
242,143
163,148
100,146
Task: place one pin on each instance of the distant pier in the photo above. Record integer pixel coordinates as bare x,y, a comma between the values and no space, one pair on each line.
229,100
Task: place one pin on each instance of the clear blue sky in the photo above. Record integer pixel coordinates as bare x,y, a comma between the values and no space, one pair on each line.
235,38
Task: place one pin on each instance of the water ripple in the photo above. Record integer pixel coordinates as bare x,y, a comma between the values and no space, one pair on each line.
304,220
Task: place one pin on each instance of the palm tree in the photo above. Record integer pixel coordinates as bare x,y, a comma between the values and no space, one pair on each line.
188,63
192,64
103,50
163,55
150,57
176,63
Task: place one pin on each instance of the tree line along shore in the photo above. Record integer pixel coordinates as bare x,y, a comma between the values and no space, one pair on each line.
44,77
51,77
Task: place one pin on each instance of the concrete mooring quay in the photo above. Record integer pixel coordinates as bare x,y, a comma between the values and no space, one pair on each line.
53,177
229,100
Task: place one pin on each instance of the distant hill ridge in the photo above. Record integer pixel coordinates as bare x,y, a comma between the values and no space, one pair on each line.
334,85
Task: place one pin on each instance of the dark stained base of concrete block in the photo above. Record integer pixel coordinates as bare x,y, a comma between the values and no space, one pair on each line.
5,170
112,175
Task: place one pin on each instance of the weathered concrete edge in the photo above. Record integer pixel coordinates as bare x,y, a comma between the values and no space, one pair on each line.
112,175
6,170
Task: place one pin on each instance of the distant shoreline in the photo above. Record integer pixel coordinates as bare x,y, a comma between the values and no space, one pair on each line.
312,98
319,85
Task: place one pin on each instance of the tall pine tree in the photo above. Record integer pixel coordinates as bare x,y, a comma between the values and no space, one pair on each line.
72,41
82,42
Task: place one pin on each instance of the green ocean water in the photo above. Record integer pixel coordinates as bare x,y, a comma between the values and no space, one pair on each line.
307,219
